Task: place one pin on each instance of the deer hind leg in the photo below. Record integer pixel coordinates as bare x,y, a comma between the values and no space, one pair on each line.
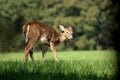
44,49
31,54
28,48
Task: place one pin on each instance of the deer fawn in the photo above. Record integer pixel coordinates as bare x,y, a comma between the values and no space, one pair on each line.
35,31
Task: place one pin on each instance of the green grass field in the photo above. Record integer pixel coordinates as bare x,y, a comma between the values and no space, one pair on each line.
72,65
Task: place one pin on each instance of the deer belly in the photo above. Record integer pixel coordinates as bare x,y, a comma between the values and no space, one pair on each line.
43,40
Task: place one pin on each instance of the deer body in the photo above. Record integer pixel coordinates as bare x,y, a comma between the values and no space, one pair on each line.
35,31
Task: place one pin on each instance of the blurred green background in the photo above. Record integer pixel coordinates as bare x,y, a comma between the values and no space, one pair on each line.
92,22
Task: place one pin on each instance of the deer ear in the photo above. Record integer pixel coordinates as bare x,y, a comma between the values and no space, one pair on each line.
61,27
70,28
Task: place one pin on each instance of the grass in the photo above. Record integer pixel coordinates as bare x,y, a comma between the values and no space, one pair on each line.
69,55
72,65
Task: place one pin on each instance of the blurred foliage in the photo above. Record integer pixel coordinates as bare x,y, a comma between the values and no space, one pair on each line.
89,19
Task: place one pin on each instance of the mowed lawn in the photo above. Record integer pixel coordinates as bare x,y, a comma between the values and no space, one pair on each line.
72,65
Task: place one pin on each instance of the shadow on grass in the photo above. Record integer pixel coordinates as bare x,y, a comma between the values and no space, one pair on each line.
50,71
50,76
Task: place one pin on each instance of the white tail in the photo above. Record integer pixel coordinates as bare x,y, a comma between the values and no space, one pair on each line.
48,36
28,28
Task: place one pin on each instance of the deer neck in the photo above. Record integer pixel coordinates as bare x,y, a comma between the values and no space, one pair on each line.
62,37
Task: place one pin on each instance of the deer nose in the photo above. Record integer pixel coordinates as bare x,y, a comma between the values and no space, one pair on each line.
71,38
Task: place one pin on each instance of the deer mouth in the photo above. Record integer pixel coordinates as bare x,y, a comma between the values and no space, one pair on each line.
70,38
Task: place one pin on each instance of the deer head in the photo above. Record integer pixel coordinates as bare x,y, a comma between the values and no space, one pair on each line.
67,32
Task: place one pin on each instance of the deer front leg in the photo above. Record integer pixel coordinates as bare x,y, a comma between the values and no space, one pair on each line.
52,46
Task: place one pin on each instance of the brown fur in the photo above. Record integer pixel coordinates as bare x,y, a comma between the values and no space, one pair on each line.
38,30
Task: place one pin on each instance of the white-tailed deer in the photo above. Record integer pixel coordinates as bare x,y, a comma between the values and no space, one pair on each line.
35,31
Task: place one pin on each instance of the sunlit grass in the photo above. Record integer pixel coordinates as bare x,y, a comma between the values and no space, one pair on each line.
64,55
72,65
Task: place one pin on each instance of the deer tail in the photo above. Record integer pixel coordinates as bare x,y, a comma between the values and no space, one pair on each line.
26,29
26,35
